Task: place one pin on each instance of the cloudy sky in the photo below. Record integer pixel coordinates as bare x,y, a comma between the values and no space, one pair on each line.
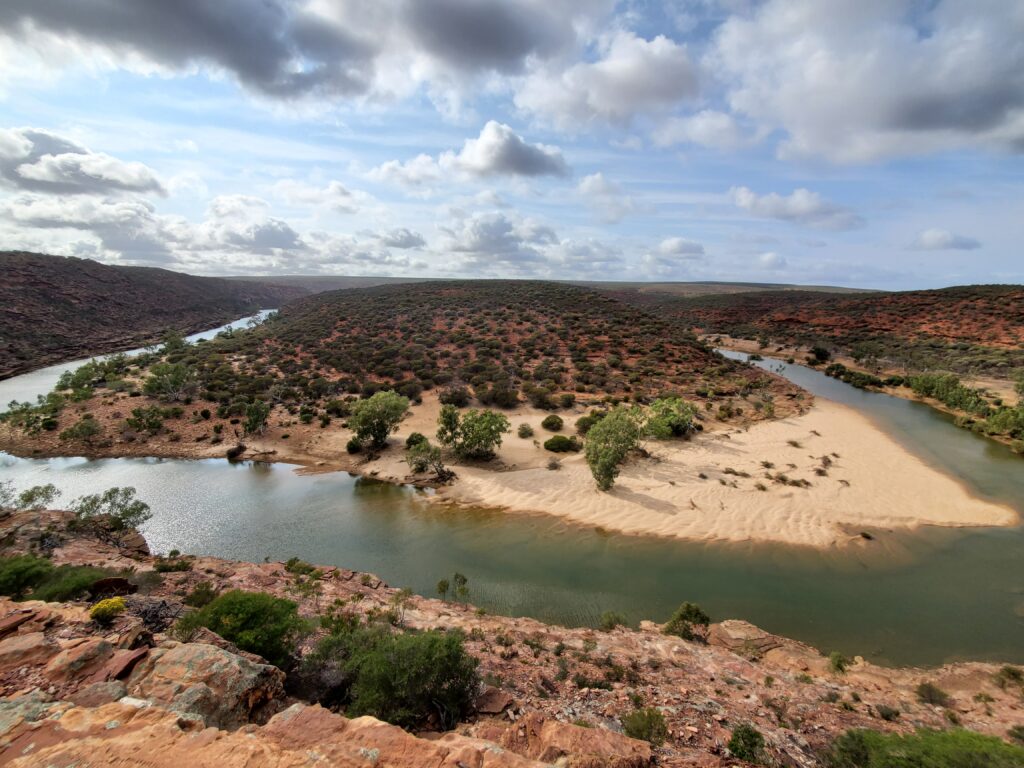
875,143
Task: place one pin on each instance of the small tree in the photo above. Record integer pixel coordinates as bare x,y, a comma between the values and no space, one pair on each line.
609,441
111,514
37,497
474,434
378,416
671,417
85,429
6,494
442,588
688,622
170,381
459,587
256,414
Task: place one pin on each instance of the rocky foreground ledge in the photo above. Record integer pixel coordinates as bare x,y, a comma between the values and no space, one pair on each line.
75,693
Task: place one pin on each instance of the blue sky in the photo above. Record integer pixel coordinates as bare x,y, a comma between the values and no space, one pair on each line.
869,143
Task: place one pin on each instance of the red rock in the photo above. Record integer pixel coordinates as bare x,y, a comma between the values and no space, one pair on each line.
12,621
493,701
550,740
79,658
23,650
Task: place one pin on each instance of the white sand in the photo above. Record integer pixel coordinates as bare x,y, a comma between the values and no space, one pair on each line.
885,486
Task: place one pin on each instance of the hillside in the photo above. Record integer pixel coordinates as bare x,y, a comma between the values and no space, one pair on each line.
978,328
498,337
55,308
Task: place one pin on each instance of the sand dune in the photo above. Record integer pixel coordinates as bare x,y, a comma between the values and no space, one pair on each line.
872,482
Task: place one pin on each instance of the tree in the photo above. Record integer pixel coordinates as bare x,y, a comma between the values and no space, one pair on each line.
671,417
254,621
378,416
37,497
256,414
170,381
609,441
86,429
112,513
685,622
424,456
442,588
6,494
474,434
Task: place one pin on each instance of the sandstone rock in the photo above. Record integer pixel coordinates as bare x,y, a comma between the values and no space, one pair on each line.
25,649
225,689
79,658
493,701
10,623
743,638
550,741
97,694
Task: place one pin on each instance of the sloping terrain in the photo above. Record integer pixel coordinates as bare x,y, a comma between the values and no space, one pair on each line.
964,328
54,308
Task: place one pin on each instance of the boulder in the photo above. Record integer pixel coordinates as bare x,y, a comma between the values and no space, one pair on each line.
79,658
493,701
223,688
743,638
550,741
23,650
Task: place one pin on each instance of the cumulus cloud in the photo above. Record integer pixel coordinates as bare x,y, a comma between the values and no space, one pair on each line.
858,81
633,76
36,160
943,240
681,247
801,207
496,241
335,196
707,128
497,151
605,197
402,238
772,261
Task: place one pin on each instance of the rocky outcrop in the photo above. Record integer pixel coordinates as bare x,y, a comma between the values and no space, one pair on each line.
552,742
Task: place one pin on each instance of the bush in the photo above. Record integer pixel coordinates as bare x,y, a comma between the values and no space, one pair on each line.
377,417
647,724
457,396
552,423
609,441
68,582
416,438
112,513
929,693
954,748
203,594
887,713
671,417
353,445
561,444
525,431
21,573
685,621
105,611
747,743
610,620
85,429
254,621
472,435
838,662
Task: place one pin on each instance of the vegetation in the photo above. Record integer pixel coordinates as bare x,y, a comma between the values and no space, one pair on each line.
747,743
525,431
375,418
552,423
671,417
647,724
610,620
22,573
689,621
67,582
473,434
561,444
111,514
105,611
609,441
254,621
929,693
955,748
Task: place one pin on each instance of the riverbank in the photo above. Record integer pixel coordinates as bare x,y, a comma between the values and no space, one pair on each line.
815,478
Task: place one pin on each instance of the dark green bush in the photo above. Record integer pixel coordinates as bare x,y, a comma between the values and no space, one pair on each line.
552,423
254,621
201,596
21,573
68,582
685,621
929,693
955,748
747,743
561,444
416,438
610,620
647,724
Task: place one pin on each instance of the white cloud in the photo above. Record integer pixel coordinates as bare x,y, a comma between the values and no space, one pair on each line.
772,261
678,246
402,238
856,81
335,196
707,128
943,240
633,76
605,197
801,207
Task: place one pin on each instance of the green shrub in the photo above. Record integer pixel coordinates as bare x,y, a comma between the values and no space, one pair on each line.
954,748
609,441
887,713
21,573
112,513
353,445
561,444
202,595
525,431
68,582
747,743
610,620
254,621
378,416
647,724
105,611
552,423
685,621
671,417
416,438
929,693
1016,733
837,662
473,434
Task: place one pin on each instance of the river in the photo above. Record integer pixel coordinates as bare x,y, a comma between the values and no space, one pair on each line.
920,598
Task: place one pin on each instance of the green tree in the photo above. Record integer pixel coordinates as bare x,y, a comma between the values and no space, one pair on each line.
170,381
85,429
256,414
378,416
112,513
671,417
442,588
254,621
473,435
6,494
609,441
688,622
37,497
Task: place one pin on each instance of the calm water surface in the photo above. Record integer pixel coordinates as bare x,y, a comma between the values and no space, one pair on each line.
920,598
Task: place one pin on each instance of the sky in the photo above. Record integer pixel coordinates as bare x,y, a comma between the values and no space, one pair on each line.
863,143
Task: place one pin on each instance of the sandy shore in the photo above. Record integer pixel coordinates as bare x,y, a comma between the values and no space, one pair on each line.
872,482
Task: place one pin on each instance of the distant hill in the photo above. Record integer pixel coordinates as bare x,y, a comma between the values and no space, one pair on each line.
976,328
55,308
